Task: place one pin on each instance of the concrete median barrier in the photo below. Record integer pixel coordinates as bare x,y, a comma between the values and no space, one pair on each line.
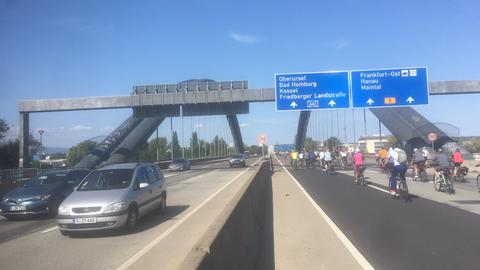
241,237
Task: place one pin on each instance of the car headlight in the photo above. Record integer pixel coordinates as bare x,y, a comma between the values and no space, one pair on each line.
115,207
5,199
63,209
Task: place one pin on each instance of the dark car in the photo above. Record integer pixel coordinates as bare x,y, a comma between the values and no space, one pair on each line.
42,194
180,164
237,160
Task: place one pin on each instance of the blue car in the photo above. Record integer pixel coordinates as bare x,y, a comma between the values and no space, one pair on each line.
42,194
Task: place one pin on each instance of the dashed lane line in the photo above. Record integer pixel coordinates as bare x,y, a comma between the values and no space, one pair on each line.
162,236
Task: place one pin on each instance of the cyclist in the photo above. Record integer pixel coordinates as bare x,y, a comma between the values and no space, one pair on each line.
399,159
417,161
328,159
294,158
457,161
358,163
443,162
343,157
425,155
383,154
321,157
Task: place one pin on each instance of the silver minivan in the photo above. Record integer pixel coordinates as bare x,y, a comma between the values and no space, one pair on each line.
112,197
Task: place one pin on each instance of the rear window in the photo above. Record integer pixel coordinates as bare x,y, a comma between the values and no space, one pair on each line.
106,180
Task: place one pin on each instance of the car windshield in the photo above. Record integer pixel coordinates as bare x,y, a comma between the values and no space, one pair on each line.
46,179
237,156
106,180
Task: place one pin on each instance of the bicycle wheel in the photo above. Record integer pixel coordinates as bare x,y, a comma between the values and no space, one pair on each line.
437,182
423,176
449,186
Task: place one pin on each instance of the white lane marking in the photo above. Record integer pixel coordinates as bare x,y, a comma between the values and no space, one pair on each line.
346,242
377,188
49,230
162,236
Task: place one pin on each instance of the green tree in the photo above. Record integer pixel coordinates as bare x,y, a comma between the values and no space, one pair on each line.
194,145
177,151
76,153
9,152
332,142
472,146
3,129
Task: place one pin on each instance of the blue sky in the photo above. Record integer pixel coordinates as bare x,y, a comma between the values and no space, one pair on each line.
52,49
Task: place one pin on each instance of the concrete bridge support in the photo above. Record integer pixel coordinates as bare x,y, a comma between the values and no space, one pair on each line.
236,132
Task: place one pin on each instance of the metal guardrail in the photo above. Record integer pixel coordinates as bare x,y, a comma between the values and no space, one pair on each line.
17,174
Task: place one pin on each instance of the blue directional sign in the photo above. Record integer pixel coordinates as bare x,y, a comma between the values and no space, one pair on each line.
389,87
312,91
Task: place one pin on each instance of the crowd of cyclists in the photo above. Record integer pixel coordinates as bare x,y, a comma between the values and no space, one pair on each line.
394,162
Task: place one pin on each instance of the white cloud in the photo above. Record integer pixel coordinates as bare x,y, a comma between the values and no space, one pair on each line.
242,38
106,129
242,125
199,125
80,128
337,45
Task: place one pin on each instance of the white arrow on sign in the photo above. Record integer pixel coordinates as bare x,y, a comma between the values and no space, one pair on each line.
332,103
370,101
293,104
410,100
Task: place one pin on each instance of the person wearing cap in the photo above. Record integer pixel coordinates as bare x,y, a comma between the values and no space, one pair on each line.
357,162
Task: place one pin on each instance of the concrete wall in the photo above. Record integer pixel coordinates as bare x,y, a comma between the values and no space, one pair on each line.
242,236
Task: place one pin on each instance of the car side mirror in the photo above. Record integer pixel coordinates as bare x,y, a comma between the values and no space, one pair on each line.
143,185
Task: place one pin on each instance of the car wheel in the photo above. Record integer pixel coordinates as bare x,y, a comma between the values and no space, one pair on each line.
132,219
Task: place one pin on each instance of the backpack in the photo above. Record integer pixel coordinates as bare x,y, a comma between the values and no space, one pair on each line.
402,157
457,157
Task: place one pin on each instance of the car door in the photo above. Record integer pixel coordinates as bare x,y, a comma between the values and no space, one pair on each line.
155,184
143,196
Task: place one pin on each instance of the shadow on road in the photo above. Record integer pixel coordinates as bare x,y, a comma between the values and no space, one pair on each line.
145,223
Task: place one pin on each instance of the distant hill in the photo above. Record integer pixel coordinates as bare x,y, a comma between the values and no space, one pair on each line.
53,150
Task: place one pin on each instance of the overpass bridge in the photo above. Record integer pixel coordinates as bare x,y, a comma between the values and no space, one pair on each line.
151,104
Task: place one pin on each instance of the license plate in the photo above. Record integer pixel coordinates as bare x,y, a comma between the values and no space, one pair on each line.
88,220
18,208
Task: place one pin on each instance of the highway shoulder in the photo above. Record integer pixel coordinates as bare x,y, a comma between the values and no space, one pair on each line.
303,237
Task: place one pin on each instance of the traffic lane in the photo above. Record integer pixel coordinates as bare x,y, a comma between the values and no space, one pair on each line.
394,234
10,230
109,250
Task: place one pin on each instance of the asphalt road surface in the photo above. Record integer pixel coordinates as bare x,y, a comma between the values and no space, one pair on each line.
37,243
392,233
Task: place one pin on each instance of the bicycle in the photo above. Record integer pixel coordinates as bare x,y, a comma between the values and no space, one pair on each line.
462,171
422,173
402,188
328,167
361,176
442,180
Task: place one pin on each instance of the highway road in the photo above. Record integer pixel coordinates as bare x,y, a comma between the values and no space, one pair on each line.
37,243
392,233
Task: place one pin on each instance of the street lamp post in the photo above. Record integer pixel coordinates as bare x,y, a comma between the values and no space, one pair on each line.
41,131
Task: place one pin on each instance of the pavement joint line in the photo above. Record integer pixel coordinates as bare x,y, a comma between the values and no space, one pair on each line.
162,236
49,230
361,260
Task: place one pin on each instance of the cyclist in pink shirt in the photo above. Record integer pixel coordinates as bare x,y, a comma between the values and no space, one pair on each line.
358,162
